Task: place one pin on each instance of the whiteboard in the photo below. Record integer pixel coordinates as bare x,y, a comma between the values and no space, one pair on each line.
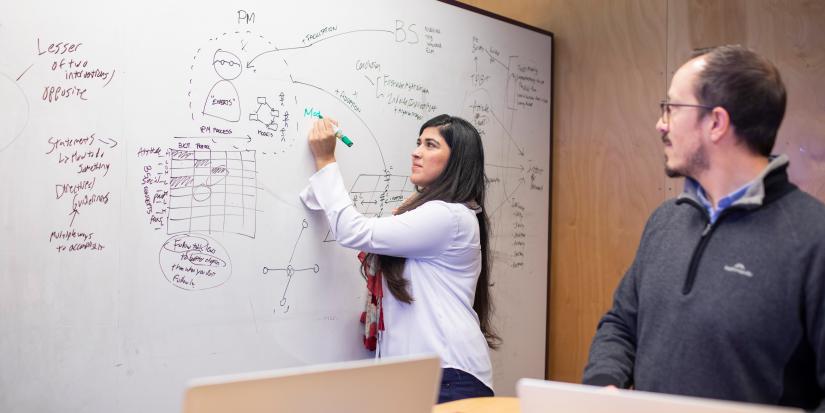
152,153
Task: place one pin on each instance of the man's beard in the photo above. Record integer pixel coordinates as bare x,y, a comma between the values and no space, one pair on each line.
671,173
696,162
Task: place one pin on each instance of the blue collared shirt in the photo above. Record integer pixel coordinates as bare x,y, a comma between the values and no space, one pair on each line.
723,203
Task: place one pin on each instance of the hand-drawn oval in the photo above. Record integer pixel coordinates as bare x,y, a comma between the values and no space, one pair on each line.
227,65
201,193
194,262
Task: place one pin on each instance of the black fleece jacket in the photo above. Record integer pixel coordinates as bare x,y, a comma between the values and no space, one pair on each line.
732,310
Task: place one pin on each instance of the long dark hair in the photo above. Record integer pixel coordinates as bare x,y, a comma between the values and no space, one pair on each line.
462,181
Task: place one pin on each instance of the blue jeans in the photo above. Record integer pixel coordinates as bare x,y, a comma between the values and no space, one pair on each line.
457,385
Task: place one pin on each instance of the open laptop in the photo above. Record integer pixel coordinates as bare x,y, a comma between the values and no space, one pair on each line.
539,396
397,384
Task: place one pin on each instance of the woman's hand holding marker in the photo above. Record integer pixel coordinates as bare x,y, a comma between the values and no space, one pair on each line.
322,141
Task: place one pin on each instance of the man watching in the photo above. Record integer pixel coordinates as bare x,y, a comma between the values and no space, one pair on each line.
725,298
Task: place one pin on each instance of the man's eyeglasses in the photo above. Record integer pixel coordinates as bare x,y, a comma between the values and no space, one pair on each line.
665,106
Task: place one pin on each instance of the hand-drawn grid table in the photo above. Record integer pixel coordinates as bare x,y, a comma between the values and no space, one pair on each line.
213,191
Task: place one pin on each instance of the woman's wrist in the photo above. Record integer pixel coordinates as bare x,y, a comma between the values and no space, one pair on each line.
321,163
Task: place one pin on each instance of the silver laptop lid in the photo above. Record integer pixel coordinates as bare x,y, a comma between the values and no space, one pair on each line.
537,396
398,384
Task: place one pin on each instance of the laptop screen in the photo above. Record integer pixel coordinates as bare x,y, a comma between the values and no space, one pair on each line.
403,385
539,396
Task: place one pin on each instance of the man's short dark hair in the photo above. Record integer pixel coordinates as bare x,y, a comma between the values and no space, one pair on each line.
749,88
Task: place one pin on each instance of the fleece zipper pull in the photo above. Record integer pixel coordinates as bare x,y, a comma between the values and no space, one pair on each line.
707,229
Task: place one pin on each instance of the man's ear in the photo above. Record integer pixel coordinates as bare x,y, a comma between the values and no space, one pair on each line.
720,125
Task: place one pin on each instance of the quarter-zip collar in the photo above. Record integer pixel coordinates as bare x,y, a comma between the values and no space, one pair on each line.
768,185
755,193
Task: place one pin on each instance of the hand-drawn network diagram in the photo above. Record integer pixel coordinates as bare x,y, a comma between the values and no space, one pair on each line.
246,100
290,270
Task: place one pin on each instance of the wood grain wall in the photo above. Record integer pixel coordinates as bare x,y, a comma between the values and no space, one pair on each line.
614,59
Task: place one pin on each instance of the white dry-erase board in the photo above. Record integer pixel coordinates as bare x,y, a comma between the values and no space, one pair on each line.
152,154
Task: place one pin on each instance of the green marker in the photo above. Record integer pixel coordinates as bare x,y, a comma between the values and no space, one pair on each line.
338,132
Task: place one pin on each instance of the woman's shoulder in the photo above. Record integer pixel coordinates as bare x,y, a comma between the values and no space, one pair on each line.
449,214
453,207
456,221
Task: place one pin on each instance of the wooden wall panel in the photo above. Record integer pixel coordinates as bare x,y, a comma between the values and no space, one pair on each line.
792,34
788,32
614,59
607,158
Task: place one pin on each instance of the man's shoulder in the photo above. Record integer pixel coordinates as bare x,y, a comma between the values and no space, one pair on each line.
807,201
804,210
672,216
670,209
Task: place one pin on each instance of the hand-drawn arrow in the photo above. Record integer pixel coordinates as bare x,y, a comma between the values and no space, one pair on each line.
249,64
111,142
247,137
520,151
73,214
24,72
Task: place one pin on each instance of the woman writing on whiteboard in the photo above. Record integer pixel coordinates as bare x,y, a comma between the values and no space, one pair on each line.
432,254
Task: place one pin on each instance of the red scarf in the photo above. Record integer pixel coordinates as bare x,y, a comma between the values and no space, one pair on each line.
373,315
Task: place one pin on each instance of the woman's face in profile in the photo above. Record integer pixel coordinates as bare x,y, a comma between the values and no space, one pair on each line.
429,157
